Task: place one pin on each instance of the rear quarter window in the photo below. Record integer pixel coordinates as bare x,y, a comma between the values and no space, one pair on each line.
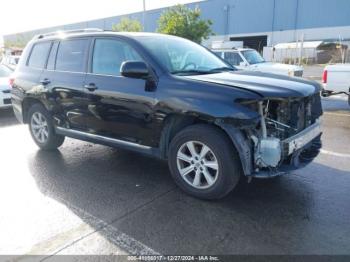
71,55
38,56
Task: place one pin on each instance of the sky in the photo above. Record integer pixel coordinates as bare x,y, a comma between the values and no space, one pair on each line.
24,15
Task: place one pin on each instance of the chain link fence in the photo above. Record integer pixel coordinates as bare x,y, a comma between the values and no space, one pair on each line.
309,53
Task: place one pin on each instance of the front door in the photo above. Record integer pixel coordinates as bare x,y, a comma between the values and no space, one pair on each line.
119,107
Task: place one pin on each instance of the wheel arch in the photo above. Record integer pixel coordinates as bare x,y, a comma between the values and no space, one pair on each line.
175,123
27,103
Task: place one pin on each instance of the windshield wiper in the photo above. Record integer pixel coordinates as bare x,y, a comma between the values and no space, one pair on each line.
202,72
220,69
191,72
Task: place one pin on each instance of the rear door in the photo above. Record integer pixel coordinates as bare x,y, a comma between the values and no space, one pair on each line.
64,79
29,73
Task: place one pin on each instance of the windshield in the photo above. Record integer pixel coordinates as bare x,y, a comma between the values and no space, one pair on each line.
181,56
4,71
253,57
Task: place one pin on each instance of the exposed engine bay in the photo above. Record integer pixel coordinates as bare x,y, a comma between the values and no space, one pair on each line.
288,126
287,117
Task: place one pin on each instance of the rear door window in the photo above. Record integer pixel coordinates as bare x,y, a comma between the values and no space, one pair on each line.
71,55
38,56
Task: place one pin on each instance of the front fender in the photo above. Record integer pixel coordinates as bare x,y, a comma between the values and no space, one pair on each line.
243,146
214,111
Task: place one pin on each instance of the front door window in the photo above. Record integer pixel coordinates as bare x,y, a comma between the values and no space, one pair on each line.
109,54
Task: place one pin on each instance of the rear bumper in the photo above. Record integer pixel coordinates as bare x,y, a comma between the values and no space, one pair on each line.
17,109
336,89
17,98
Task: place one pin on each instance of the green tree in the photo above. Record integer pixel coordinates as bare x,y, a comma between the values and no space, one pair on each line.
185,22
20,41
127,25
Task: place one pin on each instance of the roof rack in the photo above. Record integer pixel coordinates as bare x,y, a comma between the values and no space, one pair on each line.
66,32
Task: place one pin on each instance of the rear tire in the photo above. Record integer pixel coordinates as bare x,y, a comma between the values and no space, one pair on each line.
41,128
203,162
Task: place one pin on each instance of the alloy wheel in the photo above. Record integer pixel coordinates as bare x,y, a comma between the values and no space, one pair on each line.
40,128
197,164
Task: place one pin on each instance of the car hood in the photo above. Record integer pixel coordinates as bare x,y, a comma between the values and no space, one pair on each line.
264,84
277,67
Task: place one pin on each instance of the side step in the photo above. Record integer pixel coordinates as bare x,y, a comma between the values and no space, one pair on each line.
112,142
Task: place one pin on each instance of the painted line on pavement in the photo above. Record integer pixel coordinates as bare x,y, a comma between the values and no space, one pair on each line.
118,238
326,152
112,234
336,114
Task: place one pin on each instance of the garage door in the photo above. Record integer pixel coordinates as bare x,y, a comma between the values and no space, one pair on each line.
255,42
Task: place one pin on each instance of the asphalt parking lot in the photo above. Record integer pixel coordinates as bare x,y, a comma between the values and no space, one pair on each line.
92,199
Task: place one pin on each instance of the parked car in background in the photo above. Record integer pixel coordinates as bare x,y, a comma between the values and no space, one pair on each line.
336,78
11,61
170,98
250,59
5,87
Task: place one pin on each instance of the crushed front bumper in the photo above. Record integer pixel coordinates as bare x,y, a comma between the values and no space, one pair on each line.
298,151
298,141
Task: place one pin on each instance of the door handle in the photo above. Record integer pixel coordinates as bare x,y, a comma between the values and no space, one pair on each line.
91,87
45,81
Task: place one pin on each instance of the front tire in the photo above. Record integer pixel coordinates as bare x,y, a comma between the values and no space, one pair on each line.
204,162
42,130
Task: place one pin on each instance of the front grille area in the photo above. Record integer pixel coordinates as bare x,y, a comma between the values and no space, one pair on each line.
7,101
288,117
298,73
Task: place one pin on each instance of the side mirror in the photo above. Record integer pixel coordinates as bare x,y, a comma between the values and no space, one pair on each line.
243,64
134,69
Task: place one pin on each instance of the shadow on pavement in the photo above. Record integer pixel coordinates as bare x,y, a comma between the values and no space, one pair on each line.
296,214
7,118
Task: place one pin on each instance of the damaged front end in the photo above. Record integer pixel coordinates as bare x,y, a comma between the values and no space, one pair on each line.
287,136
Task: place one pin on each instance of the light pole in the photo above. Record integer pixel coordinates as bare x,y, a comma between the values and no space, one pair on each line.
144,15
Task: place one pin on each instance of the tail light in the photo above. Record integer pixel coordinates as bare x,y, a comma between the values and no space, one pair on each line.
11,81
324,76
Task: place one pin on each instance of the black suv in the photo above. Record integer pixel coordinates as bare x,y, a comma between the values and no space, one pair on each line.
169,98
